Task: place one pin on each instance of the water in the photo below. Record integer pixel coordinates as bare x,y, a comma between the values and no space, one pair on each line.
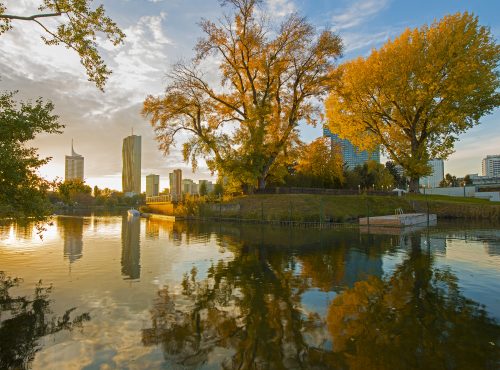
112,292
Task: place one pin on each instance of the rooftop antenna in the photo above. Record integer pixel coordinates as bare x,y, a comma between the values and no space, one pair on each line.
72,150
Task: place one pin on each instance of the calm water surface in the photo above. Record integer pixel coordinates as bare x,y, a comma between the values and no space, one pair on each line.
112,292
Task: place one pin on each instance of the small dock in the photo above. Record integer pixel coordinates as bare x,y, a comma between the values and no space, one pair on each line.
399,220
155,216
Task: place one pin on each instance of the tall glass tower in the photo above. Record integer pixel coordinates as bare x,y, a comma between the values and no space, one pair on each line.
351,155
131,156
73,169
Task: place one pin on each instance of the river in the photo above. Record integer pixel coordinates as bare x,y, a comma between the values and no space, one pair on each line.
105,292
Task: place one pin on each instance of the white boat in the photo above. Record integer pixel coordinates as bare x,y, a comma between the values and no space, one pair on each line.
133,213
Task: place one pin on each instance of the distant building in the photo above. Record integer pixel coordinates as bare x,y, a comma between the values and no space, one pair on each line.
175,179
483,183
209,185
491,166
131,156
351,155
73,169
189,187
152,185
437,175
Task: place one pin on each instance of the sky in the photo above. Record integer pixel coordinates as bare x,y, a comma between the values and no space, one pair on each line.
162,32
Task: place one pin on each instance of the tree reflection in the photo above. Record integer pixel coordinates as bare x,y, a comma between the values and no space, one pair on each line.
416,318
246,311
24,321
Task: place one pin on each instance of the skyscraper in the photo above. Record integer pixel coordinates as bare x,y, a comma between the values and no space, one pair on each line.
175,185
351,155
73,169
437,175
491,166
131,156
152,185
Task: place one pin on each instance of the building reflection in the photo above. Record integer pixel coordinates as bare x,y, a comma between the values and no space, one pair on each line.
131,248
71,231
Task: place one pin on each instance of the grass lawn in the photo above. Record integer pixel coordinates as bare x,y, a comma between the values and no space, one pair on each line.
312,208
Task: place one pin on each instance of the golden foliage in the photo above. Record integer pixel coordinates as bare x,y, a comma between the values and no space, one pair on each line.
418,92
321,160
267,85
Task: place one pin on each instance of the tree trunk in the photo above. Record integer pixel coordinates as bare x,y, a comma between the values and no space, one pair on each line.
261,183
414,184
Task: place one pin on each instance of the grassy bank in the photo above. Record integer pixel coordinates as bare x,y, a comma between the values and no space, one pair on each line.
326,208
456,207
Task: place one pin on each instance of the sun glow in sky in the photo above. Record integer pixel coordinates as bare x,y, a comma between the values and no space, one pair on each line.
159,33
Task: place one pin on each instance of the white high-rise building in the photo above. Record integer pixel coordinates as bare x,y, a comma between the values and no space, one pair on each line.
73,169
437,175
131,156
152,185
491,166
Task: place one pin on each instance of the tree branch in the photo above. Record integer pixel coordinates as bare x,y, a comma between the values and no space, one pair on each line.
31,17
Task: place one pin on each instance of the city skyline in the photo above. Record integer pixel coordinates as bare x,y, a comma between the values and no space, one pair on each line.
159,33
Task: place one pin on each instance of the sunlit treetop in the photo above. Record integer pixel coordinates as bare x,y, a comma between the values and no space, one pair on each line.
78,28
418,92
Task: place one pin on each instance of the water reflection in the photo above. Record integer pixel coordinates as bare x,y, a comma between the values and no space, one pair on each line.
25,320
71,229
249,309
250,312
131,247
416,318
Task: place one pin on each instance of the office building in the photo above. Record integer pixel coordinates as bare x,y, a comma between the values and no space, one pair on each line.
437,175
73,169
491,166
189,187
152,185
131,156
209,186
351,155
175,179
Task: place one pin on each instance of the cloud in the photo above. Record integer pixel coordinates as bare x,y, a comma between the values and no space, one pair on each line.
280,8
356,41
357,13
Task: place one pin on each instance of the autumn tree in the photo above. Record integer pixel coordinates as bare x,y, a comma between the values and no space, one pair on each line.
78,31
417,93
270,78
319,164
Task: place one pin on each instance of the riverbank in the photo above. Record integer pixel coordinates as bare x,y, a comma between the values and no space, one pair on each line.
308,208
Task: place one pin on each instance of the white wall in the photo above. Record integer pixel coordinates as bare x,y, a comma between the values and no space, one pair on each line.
452,192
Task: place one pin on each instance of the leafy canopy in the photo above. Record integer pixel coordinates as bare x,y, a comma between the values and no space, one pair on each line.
269,80
22,190
418,92
78,31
